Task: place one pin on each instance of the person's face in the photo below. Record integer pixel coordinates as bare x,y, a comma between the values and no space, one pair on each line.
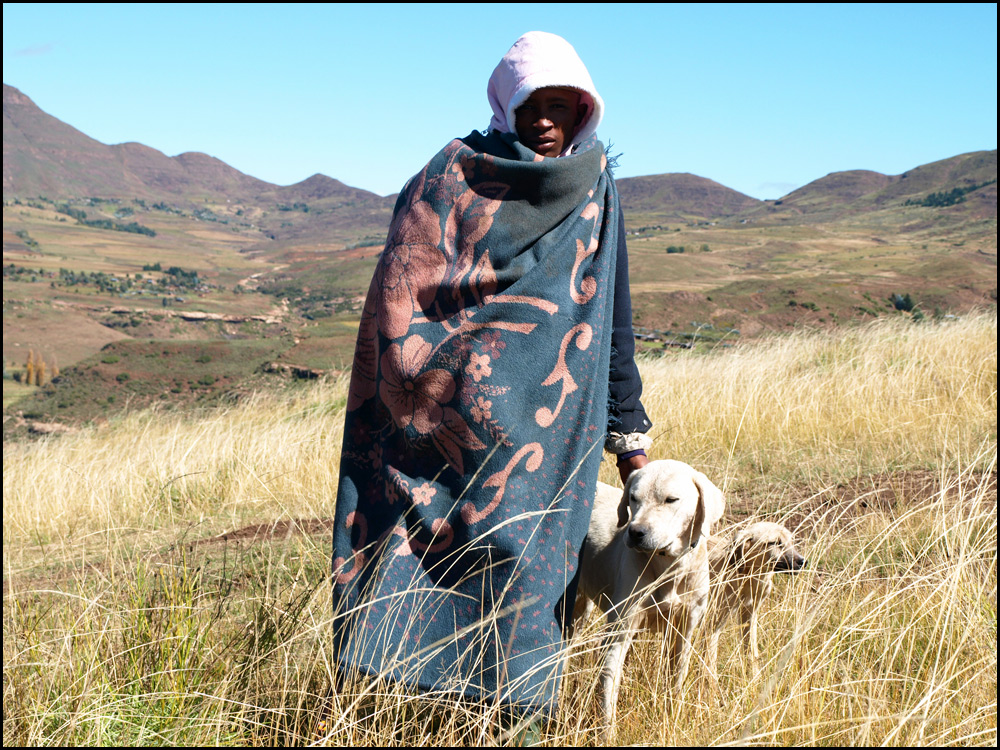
548,118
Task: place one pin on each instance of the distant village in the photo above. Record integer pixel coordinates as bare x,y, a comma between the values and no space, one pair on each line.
169,285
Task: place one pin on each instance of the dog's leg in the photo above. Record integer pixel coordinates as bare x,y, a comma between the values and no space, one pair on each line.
581,612
754,651
689,618
748,624
618,644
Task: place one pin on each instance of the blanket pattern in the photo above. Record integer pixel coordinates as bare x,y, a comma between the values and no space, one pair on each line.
476,416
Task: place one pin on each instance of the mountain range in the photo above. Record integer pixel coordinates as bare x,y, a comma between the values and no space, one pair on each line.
44,156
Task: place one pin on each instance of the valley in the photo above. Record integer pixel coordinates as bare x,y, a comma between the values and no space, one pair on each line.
204,285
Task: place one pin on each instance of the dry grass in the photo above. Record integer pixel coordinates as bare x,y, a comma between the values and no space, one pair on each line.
130,619
154,470
795,408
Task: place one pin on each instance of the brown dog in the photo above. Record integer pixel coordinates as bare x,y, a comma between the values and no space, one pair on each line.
742,569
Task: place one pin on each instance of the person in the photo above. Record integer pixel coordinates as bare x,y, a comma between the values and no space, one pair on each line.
494,360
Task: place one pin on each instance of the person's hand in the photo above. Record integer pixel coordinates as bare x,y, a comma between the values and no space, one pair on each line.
629,465
625,468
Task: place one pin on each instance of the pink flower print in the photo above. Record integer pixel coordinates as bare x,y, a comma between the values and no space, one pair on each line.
414,397
410,271
469,391
492,344
481,410
417,397
479,366
375,456
391,493
422,495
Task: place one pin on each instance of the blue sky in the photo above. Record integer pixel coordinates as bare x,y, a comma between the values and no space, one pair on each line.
761,98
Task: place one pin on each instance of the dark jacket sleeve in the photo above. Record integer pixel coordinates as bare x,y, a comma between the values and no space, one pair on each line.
625,412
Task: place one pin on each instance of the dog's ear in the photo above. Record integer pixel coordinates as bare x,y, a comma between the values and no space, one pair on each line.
739,548
698,526
735,557
623,509
711,504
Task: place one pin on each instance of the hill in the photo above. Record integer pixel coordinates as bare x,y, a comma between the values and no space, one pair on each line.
836,189
124,246
186,175
44,156
682,196
968,177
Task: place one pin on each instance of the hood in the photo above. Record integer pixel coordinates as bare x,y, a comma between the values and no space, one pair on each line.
539,59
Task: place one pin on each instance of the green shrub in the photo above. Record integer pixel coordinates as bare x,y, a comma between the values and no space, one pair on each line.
903,302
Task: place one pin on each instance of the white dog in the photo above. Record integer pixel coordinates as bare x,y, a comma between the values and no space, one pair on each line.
652,571
743,566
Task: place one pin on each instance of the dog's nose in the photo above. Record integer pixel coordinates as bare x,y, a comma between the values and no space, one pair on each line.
636,534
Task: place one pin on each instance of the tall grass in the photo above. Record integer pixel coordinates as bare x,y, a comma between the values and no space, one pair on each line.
131,617
867,399
267,457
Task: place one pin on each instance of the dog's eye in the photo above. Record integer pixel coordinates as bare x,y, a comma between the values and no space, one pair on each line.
670,499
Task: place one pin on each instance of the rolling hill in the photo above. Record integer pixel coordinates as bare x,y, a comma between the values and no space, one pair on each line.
854,192
44,156
109,249
682,196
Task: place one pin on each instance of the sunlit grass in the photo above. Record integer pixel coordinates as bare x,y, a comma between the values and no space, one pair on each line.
129,619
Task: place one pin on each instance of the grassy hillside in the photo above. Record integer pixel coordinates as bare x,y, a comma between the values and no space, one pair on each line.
859,191
680,197
166,575
71,289
104,245
758,277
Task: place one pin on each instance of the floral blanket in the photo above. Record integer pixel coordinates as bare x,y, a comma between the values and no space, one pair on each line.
476,419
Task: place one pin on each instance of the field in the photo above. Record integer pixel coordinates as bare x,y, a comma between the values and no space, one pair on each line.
207,284
166,571
761,277
212,279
